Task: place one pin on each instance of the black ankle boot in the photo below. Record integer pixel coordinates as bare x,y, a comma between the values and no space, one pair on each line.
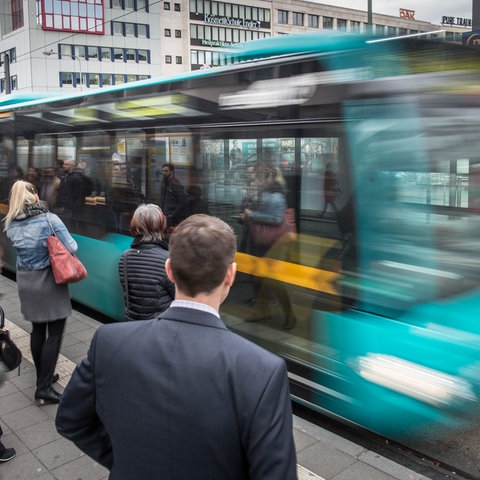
47,396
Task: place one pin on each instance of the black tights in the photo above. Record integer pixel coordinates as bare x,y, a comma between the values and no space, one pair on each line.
45,350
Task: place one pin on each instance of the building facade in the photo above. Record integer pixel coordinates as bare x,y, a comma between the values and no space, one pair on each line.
63,45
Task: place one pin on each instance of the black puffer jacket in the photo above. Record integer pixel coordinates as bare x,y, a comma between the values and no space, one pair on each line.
150,291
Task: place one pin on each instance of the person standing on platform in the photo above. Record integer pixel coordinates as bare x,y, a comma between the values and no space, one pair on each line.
6,454
173,200
43,302
147,289
181,396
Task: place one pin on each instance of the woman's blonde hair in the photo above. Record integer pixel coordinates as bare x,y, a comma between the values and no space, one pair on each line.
21,194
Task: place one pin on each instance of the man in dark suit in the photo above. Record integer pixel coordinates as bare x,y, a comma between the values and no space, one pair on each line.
181,397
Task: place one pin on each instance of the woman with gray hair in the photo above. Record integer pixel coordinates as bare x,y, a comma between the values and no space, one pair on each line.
146,286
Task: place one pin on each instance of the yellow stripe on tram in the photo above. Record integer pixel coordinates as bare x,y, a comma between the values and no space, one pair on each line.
295,274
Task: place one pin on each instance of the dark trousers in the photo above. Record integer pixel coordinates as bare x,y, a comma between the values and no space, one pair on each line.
2,446
45,342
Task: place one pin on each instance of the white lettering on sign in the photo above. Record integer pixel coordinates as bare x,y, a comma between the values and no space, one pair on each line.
230,21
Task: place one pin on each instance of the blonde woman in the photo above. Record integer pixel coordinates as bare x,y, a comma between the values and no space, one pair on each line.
43,302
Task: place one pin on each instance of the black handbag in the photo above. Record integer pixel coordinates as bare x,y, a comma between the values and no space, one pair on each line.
10,354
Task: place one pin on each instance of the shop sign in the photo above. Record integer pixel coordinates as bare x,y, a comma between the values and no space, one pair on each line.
230,21
460,22
407,14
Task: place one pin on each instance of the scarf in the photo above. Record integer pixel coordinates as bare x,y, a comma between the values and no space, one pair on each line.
31,210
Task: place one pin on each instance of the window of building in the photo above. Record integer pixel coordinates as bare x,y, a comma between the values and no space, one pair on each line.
391,31
341,24
178,34
65,50
106,79
142,5
402,31
166,5
168,59
92,53
66,78
354,26
283,17
168,32
13,83
143,56
71,15
130,29
176,7
129,4
380,29
118,54
328,23
297,19
130,55
119,79
17,14
143,31
79,51
93,79
131,78
178,60
105,53
313,21
117,28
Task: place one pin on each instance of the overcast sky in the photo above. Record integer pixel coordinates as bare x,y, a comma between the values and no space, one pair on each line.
427,10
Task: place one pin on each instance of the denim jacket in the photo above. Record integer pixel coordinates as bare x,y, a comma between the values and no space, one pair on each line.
271,208
29,237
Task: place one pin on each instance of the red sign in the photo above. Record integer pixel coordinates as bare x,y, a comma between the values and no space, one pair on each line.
407,14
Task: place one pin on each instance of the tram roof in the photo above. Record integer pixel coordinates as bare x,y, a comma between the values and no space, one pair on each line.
302,43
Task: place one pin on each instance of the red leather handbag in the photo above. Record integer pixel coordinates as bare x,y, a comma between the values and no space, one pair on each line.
66,267
266,235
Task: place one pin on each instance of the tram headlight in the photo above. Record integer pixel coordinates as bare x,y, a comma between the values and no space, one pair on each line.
422,383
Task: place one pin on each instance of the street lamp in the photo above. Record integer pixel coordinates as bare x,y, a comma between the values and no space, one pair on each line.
52,52
369,17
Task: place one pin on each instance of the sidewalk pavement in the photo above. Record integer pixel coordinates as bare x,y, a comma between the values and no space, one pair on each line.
42,454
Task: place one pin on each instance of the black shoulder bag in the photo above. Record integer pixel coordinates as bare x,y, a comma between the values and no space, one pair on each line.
10,354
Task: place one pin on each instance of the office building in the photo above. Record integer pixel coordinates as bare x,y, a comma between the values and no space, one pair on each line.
63,45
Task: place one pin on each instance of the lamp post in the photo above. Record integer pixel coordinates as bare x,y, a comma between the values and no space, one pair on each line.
51,52
369,17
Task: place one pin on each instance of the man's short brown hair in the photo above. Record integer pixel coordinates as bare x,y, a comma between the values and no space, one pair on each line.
201,249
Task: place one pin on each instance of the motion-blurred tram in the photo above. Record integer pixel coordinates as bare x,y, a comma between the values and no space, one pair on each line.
383,276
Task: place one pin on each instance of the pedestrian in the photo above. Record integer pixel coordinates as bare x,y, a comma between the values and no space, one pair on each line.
173,200
6,454
195,201
147,289
181,396
43,302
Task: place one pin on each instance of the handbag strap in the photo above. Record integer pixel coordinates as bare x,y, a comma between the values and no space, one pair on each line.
2,318
52,231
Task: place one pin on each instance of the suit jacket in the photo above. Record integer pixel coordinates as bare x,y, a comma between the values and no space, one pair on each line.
180,398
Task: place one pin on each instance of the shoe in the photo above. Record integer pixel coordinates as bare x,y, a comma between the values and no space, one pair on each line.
55,378
7,454
48,396
290,322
